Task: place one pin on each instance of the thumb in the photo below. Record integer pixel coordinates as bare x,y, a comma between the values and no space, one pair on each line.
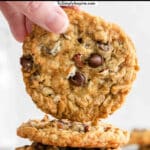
45,14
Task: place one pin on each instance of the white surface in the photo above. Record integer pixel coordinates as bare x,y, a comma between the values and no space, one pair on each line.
17,107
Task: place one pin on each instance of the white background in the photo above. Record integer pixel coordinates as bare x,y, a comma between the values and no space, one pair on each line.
16,106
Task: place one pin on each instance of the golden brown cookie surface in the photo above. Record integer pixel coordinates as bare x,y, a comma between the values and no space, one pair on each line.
83,74
64,133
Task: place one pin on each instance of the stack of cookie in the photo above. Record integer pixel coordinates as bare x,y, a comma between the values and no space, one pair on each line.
78,77
141,137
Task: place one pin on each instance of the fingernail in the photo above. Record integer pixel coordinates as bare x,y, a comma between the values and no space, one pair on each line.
57,21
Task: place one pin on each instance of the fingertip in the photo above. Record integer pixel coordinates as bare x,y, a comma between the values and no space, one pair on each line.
57,21
64,26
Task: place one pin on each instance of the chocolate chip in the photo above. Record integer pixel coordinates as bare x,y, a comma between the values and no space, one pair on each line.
95,60
104,46
80,40
78,60
107,129
78,79
27,63
87,128
36,73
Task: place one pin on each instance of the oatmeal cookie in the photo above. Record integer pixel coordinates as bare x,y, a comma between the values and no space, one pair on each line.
83,74
38,146
65,133
140,136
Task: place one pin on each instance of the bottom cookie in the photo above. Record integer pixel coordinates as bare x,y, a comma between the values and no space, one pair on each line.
140,137
64,133
38,146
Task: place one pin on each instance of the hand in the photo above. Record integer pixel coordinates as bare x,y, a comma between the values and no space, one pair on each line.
21,15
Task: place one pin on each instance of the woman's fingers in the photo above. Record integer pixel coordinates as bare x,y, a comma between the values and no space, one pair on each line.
46,14
21,16
15,20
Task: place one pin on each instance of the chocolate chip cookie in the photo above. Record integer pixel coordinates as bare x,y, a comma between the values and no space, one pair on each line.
65,133
38,146
140,137
83,74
